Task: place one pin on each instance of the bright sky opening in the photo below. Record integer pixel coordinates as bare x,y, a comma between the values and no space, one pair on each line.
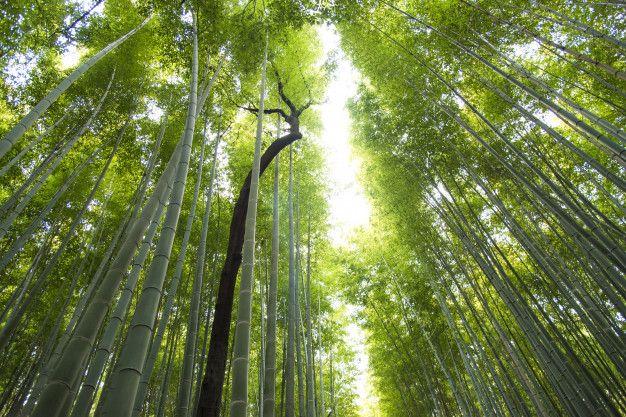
69,58
349,207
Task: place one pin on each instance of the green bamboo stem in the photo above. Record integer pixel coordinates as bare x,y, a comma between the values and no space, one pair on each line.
241,346
11,138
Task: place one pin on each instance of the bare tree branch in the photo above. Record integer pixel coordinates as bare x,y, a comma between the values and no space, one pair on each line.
266,111
283,96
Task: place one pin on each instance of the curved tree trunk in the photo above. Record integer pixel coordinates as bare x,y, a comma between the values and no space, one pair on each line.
211,392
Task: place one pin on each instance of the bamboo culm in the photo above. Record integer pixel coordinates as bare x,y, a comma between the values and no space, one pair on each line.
41,280
11,138
184,394
120,401
80,344
289,382
241,346
20,204
269,385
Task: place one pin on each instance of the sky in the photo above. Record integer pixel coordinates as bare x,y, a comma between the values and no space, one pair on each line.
349,207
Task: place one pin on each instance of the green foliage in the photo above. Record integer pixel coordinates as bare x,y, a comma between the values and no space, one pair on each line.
491,278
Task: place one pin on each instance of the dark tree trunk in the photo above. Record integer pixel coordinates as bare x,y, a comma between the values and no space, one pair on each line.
213,381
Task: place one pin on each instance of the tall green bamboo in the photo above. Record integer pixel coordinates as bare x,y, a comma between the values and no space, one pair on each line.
20,203
615,131
84,399
310,377
241,346
209,296
36,223
332,386
48,356
563,373
604,143
17,158
20,290
269,385
616,72
171,291
17,314
283,363
580,25
320,349
194,309
289,382
133,354
299,328
27,121
168,359
79,346
78,312
261,374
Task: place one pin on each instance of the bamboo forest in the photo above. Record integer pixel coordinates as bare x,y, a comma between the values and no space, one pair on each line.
312,208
